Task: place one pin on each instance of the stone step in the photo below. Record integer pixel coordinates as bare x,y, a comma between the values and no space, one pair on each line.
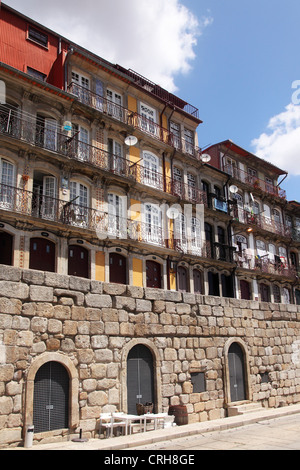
244,408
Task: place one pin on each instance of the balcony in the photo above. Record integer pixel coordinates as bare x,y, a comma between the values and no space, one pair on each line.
132,119
264,265
266,223
255,182
28,129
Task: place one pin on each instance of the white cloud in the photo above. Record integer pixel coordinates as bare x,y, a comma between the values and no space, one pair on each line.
281,143
155,38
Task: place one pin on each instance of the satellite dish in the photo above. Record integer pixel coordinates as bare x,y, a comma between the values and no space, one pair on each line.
130,140
172,213
205,157
233,189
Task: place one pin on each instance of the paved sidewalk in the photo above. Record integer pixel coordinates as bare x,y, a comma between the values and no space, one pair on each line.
151,437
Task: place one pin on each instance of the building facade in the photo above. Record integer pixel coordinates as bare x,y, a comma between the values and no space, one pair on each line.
123,241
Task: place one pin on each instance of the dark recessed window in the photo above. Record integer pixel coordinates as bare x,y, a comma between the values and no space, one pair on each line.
264,378
36,74
198,382
37,36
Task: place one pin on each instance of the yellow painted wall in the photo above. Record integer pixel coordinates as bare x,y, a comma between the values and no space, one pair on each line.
100,266
135,210
168,176
172,280
137,272
132,104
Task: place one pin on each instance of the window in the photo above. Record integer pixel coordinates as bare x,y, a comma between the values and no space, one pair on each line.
189,141
252,176
80,143
79,203
36,74
177,181
114,104
195,236
198,382
230,167
6,187
117,162
175,130
148,118
151,176
192,193
276,294
180,232
37,36
46,133
153,224
269,185
81,85
117,223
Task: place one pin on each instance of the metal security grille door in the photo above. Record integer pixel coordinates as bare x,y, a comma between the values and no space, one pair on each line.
140,377
51,398
236,373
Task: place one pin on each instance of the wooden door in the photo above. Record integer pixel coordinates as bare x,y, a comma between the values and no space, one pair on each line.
140,377
182,279
245,290
197,276
6,246
236,373
117,268
78,261
42,254
153,274
265,293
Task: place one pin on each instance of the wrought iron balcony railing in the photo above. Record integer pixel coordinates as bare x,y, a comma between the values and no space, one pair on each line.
255,182
133,119
36,132
265,265
265,223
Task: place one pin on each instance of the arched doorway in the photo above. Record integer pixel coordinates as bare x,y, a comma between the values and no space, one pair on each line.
51,398
42,254
236,373
117,268
6,246
78,261
140,377
153,274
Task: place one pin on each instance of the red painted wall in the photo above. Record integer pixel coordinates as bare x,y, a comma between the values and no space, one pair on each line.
19,52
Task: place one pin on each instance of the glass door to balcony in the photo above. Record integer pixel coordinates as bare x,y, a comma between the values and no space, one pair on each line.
153,219
6,188
151,176
117,222
78,204
44,202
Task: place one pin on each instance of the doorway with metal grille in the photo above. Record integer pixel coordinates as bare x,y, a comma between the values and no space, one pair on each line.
140,377
51,398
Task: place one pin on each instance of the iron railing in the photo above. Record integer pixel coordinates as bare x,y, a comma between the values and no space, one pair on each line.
265,265
133,119
255,182
265,223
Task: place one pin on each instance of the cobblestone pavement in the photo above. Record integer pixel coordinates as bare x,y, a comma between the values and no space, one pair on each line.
275,434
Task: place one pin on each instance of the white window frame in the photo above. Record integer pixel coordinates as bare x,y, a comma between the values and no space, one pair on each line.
151,170
148,115
79,207
153,223
117,221
114,104
7,181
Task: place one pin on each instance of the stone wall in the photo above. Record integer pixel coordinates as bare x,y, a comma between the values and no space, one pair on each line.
90,327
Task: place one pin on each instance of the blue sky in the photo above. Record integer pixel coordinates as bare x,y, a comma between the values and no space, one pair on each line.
235,60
